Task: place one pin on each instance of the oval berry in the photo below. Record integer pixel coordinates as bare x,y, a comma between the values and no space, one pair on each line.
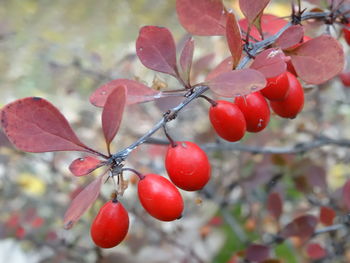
188,166
277,87
256,111
227,120
345,78
346,33
111,225
293,103
160,197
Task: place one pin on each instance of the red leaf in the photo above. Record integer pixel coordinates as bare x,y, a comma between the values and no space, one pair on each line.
270,62
346,194
316,177
303,227
257,252
315,251
202,17
84,166
270,25
251,9
35,125
224,66
186,59
237,83
155,47
136,91
82,202
327,215
234,39
318,60
113,112
275,205
292,36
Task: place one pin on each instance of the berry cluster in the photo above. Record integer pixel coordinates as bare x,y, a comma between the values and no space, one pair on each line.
188,168
252,113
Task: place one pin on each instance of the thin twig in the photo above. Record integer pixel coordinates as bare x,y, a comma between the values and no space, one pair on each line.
301,147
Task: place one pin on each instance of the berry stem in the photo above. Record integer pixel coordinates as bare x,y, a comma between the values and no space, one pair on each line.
212,102
140,175
172,142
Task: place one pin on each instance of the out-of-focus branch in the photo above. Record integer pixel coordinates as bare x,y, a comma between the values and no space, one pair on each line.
301,147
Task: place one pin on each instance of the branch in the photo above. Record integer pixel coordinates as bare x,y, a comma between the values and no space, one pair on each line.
196,91
331,228
292,149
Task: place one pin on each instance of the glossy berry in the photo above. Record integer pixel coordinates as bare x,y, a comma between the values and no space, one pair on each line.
346,33
256,111
293,103
227,120
160,197
111,225
188,166
276,88
345,78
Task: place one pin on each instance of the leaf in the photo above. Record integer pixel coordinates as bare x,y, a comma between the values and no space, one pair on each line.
317,177
256,252
136,91
186,59
275,205
202,17
82,202
315,251
270,62
35,125
85,165
327,215
302,227
234,39
270,25
112,113
251,9
155,47
346,194
238,82
292,36
318,60
224,66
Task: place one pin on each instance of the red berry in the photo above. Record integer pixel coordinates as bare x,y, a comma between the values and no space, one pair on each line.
276,87
188,166
293,103
346,33
110,226
160,197
345,78
227,120
256,111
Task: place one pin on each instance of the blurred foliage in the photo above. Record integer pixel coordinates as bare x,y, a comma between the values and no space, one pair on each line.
63,50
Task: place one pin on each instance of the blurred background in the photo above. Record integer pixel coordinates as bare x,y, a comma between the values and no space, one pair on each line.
62,51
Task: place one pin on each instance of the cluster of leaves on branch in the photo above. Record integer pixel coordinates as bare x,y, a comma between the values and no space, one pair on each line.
279,53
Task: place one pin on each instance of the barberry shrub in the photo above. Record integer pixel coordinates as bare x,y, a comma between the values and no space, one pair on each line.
271,66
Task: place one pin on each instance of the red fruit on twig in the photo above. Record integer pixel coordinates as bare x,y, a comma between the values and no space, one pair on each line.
188,166
111,225
160,197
